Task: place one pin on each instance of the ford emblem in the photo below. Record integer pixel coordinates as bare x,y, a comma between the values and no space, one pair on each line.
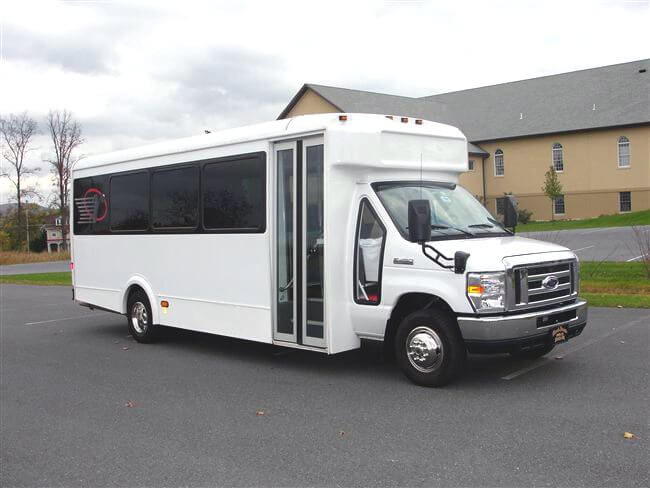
550,282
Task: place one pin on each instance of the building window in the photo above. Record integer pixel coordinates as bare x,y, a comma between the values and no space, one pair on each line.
623,152
175,198
234,195
558,205
501,206
499,168
625,201
558,157
470,165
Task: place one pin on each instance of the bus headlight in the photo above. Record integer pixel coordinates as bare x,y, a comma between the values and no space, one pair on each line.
487,291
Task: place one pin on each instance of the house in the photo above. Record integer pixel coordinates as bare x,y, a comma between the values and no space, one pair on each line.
592,125
53,234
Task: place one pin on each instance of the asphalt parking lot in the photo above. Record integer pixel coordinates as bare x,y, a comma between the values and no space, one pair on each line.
82,404
605,244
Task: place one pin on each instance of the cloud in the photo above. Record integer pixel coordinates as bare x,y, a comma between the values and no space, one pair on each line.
134,73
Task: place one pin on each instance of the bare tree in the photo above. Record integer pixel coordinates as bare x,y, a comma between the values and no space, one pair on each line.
16,133
66,137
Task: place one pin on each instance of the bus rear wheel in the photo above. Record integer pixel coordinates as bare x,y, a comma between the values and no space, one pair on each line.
140,318
429,348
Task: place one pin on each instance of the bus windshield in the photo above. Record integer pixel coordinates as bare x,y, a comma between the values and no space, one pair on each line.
454,211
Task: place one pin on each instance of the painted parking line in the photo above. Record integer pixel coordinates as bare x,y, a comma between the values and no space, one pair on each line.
76,317
634,259
583,248
544,361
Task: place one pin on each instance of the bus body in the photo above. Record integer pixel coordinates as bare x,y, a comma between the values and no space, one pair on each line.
295,232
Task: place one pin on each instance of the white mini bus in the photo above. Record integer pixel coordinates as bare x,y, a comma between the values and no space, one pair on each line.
316,232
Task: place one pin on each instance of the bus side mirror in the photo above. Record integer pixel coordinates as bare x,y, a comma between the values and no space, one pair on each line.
460,262
419,213
510,213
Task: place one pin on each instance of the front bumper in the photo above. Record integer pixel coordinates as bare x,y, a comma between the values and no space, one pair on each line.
505,333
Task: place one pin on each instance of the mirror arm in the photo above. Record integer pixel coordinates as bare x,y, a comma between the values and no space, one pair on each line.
438,256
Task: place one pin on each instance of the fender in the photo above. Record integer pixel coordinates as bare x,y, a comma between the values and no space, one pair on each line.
144,284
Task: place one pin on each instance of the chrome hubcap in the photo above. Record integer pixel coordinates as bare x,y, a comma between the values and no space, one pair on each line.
139,317
424,349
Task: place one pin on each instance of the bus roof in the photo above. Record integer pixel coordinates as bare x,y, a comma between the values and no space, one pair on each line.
277,130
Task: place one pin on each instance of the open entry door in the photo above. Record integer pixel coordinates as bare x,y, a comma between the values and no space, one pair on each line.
299,242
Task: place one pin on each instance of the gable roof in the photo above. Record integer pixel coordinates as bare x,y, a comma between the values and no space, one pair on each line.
607,96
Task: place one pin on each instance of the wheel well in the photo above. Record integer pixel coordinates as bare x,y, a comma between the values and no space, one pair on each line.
408,303
129,291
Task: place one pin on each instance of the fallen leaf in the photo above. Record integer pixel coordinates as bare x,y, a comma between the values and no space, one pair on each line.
628,435
619,306
129,404
125,348
559,357
260,413
622,342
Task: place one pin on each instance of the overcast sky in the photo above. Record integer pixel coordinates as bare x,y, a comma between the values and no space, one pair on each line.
136,72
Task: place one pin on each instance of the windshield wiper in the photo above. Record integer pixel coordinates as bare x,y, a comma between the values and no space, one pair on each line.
482,226
443,227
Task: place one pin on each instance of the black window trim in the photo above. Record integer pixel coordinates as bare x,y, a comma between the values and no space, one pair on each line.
175,230
356,253
200,228
110,200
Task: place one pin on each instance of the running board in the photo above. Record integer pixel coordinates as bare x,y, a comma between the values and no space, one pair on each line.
293,345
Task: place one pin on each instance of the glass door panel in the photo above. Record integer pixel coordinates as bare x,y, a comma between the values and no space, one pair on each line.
314,243
285,250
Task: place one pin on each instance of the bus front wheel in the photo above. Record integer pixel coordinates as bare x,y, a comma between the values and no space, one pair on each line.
139,317
429,348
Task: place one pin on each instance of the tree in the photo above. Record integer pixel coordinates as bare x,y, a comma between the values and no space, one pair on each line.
552,187
66,137
16,133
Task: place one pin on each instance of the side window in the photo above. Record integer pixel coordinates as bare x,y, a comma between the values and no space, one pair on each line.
623,152
558,157
499,165
369,256
175,198
129,199
558,205
501,206
90,199
234,195
470,165
625,201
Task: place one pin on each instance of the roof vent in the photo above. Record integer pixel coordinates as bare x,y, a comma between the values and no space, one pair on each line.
642,70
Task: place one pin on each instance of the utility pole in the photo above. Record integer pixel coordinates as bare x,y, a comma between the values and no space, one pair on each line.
27,225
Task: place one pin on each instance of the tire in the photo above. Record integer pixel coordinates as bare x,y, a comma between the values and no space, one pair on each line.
538,352
140,318
435,330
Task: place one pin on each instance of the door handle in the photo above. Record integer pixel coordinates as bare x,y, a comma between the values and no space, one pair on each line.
289,285
403,261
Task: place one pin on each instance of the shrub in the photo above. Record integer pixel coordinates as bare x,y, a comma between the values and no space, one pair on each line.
523,216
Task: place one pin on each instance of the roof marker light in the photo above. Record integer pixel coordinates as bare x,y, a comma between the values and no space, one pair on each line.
343,118
418,121
404,119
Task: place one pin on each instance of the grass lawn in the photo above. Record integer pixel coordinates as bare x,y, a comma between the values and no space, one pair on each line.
604,284
21,257
610,284
619,220
63,278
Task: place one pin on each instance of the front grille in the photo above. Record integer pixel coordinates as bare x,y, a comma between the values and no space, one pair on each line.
543,283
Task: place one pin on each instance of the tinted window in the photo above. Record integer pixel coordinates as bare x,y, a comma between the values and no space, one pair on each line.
90,209
175,198
130,202
234,195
